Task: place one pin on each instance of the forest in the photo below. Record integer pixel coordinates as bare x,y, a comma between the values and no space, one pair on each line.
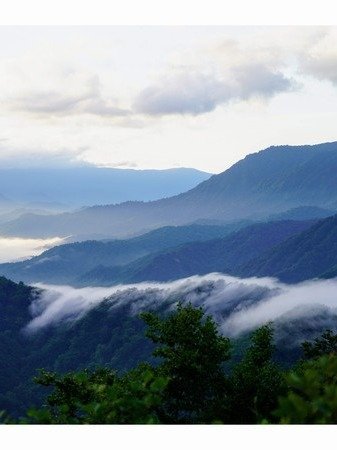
194,379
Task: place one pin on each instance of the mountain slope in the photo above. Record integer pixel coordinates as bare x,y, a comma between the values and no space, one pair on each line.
311,254
108,331
218,255
14,314
303,213
65,263
264,183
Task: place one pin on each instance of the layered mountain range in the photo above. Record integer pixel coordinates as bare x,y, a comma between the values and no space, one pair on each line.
284,190
263,183
273,214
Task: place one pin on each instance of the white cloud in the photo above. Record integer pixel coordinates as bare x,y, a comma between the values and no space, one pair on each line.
319,59
187,93
55,91
198,93
238,305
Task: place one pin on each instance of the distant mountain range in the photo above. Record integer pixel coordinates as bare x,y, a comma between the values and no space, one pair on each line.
66,263
226,254
302,213
90,185
291,251
165,254
262,184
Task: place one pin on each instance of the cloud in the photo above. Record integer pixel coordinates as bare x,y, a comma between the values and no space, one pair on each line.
112,99
319,59
260,81
60,103
127,164
21,157
237,305
195,82
187,93
56,304
55,90
198,93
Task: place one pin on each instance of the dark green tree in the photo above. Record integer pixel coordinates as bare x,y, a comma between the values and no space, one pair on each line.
255,382
311,396
324,345
191,353
100,397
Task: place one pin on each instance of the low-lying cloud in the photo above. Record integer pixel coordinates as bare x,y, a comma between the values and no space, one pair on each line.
238,305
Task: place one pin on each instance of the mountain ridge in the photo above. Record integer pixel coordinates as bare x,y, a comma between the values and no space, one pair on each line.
263,183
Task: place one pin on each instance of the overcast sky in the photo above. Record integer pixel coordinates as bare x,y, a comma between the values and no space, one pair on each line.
156,97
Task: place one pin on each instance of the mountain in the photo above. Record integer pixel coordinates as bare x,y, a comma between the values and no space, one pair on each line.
15,300
90,185
65,263
311,254
73,329
264,183
4,202
3,198
303,213
219,255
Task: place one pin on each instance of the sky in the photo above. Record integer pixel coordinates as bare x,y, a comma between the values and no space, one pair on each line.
161,97
16,249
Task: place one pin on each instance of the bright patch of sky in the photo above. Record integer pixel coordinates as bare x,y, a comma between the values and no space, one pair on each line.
15,249
160,97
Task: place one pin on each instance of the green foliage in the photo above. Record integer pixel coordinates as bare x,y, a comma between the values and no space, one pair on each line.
326,344
312,393
193,380
255,382
100,397
192,352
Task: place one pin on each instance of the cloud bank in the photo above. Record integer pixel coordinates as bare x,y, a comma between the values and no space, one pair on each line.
238,305
194,81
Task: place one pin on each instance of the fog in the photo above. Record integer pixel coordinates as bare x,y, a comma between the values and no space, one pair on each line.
238,305
15,248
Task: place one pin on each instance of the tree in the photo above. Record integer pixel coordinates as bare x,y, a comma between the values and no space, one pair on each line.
100,397
326,344
192,352
255,382
312,393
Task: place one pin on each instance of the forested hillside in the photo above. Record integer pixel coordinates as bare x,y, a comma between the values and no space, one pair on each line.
311,254
67,263
219,255
189,383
